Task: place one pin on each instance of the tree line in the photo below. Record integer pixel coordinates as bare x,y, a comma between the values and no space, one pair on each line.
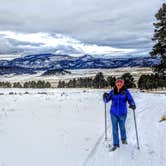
29,84
151,81
99,81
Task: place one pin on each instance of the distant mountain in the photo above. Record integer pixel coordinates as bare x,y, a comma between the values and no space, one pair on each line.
52,62
15,70
55,72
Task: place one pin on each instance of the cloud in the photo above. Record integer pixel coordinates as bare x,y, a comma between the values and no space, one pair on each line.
25,43
121,24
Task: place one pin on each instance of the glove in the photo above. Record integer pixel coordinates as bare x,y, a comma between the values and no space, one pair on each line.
105,96
133,107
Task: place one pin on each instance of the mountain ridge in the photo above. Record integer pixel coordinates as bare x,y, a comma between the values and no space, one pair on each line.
51,61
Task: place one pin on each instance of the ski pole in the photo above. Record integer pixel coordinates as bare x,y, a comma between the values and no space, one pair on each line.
138,147
105,123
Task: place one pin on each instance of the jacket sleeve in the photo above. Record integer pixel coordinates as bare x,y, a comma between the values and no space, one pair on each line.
109,97
130,98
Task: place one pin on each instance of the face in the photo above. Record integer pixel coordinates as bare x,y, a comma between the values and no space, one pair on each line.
119,84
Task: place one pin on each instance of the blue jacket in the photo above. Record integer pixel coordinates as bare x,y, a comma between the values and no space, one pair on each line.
119,101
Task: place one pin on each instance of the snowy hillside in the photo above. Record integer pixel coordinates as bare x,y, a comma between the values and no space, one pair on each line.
55,61
66,127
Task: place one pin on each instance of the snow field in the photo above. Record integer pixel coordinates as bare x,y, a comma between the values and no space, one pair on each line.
66,127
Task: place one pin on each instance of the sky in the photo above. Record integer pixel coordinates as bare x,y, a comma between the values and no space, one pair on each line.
107,27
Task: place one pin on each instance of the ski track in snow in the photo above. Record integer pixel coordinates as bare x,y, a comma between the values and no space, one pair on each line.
128,154
66,127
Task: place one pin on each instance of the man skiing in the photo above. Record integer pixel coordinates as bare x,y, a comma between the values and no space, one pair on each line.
118,111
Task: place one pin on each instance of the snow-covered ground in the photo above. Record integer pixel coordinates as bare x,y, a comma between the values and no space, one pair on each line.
66,127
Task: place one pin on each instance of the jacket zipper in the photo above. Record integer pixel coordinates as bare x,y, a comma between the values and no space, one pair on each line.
118,104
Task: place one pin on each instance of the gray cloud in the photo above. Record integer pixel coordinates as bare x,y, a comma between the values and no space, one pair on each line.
125,24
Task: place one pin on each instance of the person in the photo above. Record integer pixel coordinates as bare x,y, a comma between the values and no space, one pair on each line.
118,111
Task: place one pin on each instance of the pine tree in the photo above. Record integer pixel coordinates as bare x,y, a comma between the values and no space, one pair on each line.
60,84
99,81
63,84
111,81
26,85
129,80
33,84
47,85
159,49
17,85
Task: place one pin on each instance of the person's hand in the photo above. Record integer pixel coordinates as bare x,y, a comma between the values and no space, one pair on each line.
105,96
133,107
